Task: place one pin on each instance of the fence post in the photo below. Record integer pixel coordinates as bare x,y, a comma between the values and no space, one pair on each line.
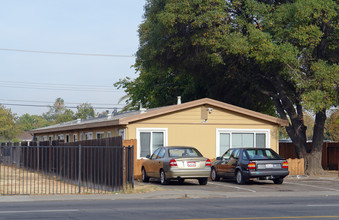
79,170
132,162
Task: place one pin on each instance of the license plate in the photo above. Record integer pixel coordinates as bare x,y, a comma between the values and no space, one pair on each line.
191,164
269,165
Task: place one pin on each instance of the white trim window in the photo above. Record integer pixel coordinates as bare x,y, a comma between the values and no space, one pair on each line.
233,138
89,136
150,139
75,137
100,135
122,133
109,134
61,137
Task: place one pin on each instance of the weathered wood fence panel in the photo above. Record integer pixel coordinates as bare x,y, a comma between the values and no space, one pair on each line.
296,166
330,156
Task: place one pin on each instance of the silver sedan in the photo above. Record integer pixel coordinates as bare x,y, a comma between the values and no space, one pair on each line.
180,163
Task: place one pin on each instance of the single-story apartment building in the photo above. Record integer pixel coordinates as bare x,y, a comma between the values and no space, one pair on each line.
209,125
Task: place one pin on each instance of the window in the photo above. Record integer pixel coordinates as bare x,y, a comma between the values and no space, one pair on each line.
233,138
61,137
150,139
44,138
100,135
122,133
67,138
109,134
161,153
224,142
89,136
155,154
75,137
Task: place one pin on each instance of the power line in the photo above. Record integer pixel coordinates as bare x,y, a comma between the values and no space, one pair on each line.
67,53
56,84
48,102
44,106
65,89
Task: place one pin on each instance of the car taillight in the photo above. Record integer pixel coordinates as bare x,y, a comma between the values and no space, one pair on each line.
173,163
208,163
285,165
251,166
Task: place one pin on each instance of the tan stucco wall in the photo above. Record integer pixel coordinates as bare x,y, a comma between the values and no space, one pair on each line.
190,127
186,128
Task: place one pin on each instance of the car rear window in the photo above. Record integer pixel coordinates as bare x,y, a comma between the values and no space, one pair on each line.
262,154
184,152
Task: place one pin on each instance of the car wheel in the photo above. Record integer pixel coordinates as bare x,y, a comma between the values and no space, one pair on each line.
278,181
214,175
240,178
203,181
163,179
145,178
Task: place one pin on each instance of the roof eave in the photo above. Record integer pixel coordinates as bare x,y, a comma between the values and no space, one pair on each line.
204,101
77,127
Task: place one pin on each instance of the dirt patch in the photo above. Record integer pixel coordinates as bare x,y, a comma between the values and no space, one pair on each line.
328,174
19,181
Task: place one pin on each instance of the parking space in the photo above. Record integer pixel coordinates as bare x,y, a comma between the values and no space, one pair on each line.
291,184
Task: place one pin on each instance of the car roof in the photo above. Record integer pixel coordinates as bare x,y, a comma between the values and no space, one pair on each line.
178,147
252,148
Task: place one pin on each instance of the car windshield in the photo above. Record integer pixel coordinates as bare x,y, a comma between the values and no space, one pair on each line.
184,152
262,154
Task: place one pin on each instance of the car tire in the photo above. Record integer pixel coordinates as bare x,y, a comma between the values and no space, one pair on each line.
278,181
203,181
163,179
145,178
239,177
214,175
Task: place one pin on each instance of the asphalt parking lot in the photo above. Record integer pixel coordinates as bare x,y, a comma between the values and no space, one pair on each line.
291,184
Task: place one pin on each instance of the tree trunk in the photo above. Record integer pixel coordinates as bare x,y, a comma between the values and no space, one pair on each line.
313,163
313,160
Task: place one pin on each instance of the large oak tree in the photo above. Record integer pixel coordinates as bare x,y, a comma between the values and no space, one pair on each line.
270,56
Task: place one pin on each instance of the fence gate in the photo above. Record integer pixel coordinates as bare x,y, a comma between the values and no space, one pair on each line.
32,168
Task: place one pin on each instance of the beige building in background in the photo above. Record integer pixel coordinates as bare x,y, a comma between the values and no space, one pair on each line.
209,125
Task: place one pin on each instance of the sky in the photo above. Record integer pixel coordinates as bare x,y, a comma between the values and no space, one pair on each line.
100,27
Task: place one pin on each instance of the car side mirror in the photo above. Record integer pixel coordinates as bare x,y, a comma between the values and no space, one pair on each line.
219,158
148,156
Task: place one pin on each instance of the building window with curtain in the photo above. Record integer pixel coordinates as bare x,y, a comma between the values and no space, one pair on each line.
150,140
233,138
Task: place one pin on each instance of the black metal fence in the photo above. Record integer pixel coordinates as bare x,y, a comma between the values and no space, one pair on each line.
95,166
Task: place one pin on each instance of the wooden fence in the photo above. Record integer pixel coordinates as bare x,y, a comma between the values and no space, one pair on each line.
330,156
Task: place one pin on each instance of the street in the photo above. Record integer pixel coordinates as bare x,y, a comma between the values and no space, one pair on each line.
296,198
231,208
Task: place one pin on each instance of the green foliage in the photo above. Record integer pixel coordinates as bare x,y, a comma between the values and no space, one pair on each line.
320,90
8,128
269,56
85,110
54,111
332,126
66,115
29,122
